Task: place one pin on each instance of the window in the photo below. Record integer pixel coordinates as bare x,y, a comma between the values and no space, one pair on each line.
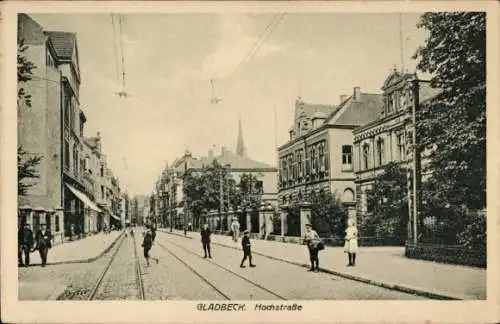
67,107
49,60
102,170
102,191
402,100
48,222
81,127
401,147
66,155
314,161
321,157
75,159
380,152
301,164
290,168
308,161
346,157
366,156
57,229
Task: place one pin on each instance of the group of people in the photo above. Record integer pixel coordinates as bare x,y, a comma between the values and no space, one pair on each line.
27,243
315,244
245,243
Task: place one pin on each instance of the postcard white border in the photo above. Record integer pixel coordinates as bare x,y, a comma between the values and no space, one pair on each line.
185,311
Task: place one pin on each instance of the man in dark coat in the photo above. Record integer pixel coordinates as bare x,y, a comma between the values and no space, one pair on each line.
247,252
205,240
24,244
147,243
43,242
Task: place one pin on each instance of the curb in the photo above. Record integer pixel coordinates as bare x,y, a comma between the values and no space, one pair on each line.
397,287
88,259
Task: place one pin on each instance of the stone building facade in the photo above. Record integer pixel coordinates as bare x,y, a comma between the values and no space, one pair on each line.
390,136
319,153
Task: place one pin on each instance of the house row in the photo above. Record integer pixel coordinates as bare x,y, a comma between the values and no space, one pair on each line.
343,148
168,201
76,192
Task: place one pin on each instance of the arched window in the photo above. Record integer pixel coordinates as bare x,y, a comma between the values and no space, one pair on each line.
380,152
348,195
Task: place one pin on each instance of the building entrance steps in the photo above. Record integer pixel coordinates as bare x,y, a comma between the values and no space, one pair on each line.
84,250
382,266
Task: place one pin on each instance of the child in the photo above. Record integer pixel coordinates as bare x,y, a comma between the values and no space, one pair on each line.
245,242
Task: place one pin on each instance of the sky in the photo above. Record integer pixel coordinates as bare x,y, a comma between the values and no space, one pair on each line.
169,60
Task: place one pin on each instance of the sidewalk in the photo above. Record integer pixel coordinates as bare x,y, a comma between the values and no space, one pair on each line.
382,266
84,250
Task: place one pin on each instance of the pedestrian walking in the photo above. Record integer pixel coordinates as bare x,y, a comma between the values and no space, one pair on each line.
205,240
314,244
24,244
351,242
247,251
147,244
235,228
43,241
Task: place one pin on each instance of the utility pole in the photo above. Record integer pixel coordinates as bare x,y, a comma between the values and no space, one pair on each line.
221,194
416,161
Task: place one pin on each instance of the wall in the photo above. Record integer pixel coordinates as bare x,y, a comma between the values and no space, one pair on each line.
39,129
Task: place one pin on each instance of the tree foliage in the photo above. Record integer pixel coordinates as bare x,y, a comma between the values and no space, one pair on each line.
24,72
202,189
452,125
328,215
26,170
389,204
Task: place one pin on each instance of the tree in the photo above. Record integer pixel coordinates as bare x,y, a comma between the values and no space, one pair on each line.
452,125
328,215
26,162
389,204
26,170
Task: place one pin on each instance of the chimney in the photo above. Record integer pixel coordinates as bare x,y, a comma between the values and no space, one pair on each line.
343,97
357,93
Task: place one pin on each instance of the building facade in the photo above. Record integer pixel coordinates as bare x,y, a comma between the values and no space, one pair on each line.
65,195
390,136
319,153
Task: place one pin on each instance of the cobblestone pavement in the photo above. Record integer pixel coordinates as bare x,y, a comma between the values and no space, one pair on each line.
287,280
78,278
185,275
120,282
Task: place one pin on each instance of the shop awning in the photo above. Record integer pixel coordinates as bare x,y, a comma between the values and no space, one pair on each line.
115,217
83,197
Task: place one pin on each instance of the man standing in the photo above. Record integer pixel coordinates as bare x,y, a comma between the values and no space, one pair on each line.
25,243
43,242
205,240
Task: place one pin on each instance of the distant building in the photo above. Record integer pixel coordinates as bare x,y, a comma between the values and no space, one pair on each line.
319,153
238,163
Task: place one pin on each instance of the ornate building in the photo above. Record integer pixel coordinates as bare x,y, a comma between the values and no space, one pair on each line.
389,137
319,154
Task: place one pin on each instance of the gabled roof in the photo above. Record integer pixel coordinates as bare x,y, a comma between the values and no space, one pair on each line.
234,160
309,109
394,78
357,112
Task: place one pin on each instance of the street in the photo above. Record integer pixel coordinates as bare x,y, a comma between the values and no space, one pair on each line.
183,274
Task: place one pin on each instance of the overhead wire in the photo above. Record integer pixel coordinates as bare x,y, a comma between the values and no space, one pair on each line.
268,31
120,20
115,50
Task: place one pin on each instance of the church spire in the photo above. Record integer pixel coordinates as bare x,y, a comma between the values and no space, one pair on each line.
240,145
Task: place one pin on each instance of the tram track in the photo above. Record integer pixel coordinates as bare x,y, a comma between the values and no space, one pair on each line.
105,275
209,282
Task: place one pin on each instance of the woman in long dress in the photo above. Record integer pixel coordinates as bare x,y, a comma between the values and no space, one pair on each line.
351,242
